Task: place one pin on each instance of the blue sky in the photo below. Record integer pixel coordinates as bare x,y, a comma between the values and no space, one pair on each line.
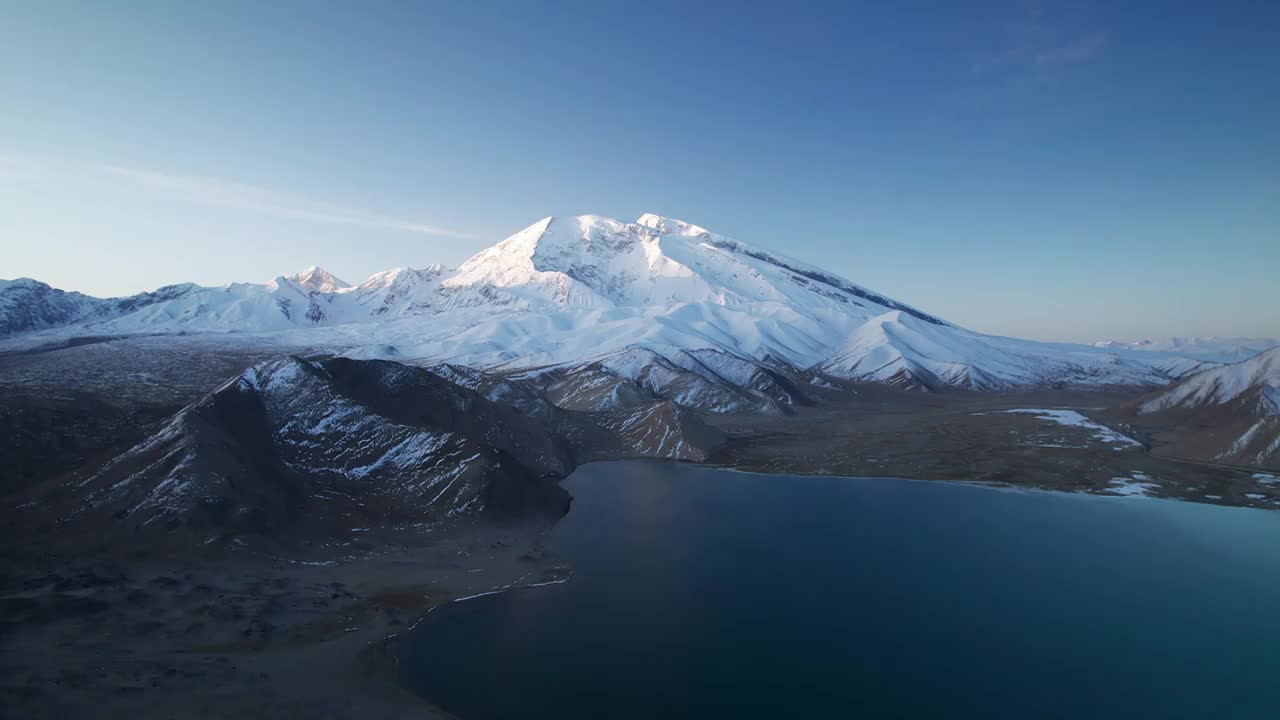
1051,170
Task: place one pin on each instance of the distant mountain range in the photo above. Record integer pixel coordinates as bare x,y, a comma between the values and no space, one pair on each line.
590,289
1213,349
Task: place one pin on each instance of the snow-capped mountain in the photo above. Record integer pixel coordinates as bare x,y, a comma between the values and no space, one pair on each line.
575,290
1258,375
28,305
1229,413
1211,349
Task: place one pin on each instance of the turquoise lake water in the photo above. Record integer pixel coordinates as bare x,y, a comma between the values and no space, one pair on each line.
710,593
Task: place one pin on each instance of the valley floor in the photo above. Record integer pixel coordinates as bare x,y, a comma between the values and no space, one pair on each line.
985,437
242,634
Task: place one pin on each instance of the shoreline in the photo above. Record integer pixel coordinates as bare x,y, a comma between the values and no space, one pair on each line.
968,438
269,636
236,636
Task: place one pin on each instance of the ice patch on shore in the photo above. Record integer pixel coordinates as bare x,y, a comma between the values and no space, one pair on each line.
1137,485
513,586
1071,418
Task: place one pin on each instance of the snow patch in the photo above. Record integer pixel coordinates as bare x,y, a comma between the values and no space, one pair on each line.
1071,418
1138,485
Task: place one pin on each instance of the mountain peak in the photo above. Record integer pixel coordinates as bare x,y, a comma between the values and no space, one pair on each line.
318,279
670,226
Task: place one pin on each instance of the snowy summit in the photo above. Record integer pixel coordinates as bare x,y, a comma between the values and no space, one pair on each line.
319,280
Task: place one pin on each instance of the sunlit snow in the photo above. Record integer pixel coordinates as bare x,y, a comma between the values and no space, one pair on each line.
574,289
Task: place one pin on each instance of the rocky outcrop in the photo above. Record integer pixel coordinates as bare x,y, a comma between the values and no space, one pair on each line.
294,448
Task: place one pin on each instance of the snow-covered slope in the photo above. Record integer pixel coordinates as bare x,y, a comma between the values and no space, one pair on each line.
900,349
398,292
1216,386
577,290
1229,413
28,305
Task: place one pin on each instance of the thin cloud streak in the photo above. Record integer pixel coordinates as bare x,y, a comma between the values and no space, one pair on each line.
242,196
1081,51
1029,40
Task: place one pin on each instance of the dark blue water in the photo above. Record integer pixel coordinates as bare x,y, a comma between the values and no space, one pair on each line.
705,593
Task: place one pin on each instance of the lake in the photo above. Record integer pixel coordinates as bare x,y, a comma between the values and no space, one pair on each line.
711,593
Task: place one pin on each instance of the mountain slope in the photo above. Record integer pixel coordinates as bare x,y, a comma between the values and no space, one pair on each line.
28,305
897,348
573,291
705,380
296,448
1226,414
1254,378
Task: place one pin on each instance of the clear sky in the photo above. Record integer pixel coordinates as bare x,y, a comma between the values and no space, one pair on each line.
1054,170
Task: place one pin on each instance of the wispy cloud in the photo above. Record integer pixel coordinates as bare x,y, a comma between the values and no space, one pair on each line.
252,198
1081,50
1030,39
228,194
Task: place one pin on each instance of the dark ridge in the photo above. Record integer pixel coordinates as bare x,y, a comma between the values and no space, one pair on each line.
259,493
418,397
